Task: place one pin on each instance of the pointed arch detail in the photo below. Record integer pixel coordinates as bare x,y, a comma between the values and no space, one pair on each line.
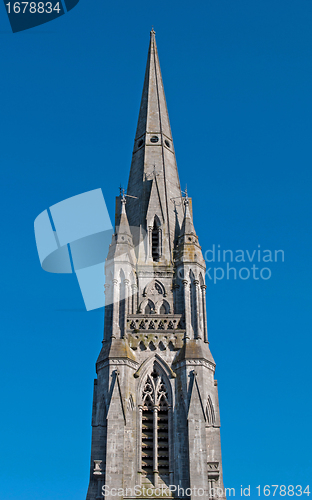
210,412
130,406
155,420
147,306
147,366
155,287
201,279
156,240
162,306
155,390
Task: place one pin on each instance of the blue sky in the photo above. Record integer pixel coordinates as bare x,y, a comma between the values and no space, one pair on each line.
238,79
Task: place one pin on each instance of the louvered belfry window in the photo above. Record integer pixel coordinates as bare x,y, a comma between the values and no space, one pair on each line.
155,431
156,250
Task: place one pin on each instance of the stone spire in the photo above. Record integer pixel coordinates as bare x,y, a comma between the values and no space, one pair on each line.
153,115
187,226
154,178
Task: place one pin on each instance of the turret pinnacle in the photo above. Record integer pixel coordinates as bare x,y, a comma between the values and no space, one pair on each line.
154,175
123,225
187,226
121,248
189,249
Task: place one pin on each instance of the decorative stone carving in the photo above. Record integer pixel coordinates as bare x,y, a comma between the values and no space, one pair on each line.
160,321
97,471
154,288
153,341
213,471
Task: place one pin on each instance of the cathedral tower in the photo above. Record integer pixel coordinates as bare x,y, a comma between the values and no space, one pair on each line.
155,417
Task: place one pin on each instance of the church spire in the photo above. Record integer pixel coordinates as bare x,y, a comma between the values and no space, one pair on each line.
155,330
153,168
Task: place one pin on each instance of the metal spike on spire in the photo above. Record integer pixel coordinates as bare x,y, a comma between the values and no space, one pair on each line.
186,199
122,194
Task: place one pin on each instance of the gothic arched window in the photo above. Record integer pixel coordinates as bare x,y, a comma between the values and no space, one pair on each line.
149,308
210,412
162,309
156,240
155,430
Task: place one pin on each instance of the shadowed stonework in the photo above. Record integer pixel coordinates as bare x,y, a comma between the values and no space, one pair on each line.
155,419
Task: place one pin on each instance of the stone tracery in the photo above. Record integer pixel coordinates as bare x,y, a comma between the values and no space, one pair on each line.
155,426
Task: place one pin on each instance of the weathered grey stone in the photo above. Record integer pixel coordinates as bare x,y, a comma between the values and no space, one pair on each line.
155,418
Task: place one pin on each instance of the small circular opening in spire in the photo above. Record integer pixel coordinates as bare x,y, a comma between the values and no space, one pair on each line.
167,143
154,138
